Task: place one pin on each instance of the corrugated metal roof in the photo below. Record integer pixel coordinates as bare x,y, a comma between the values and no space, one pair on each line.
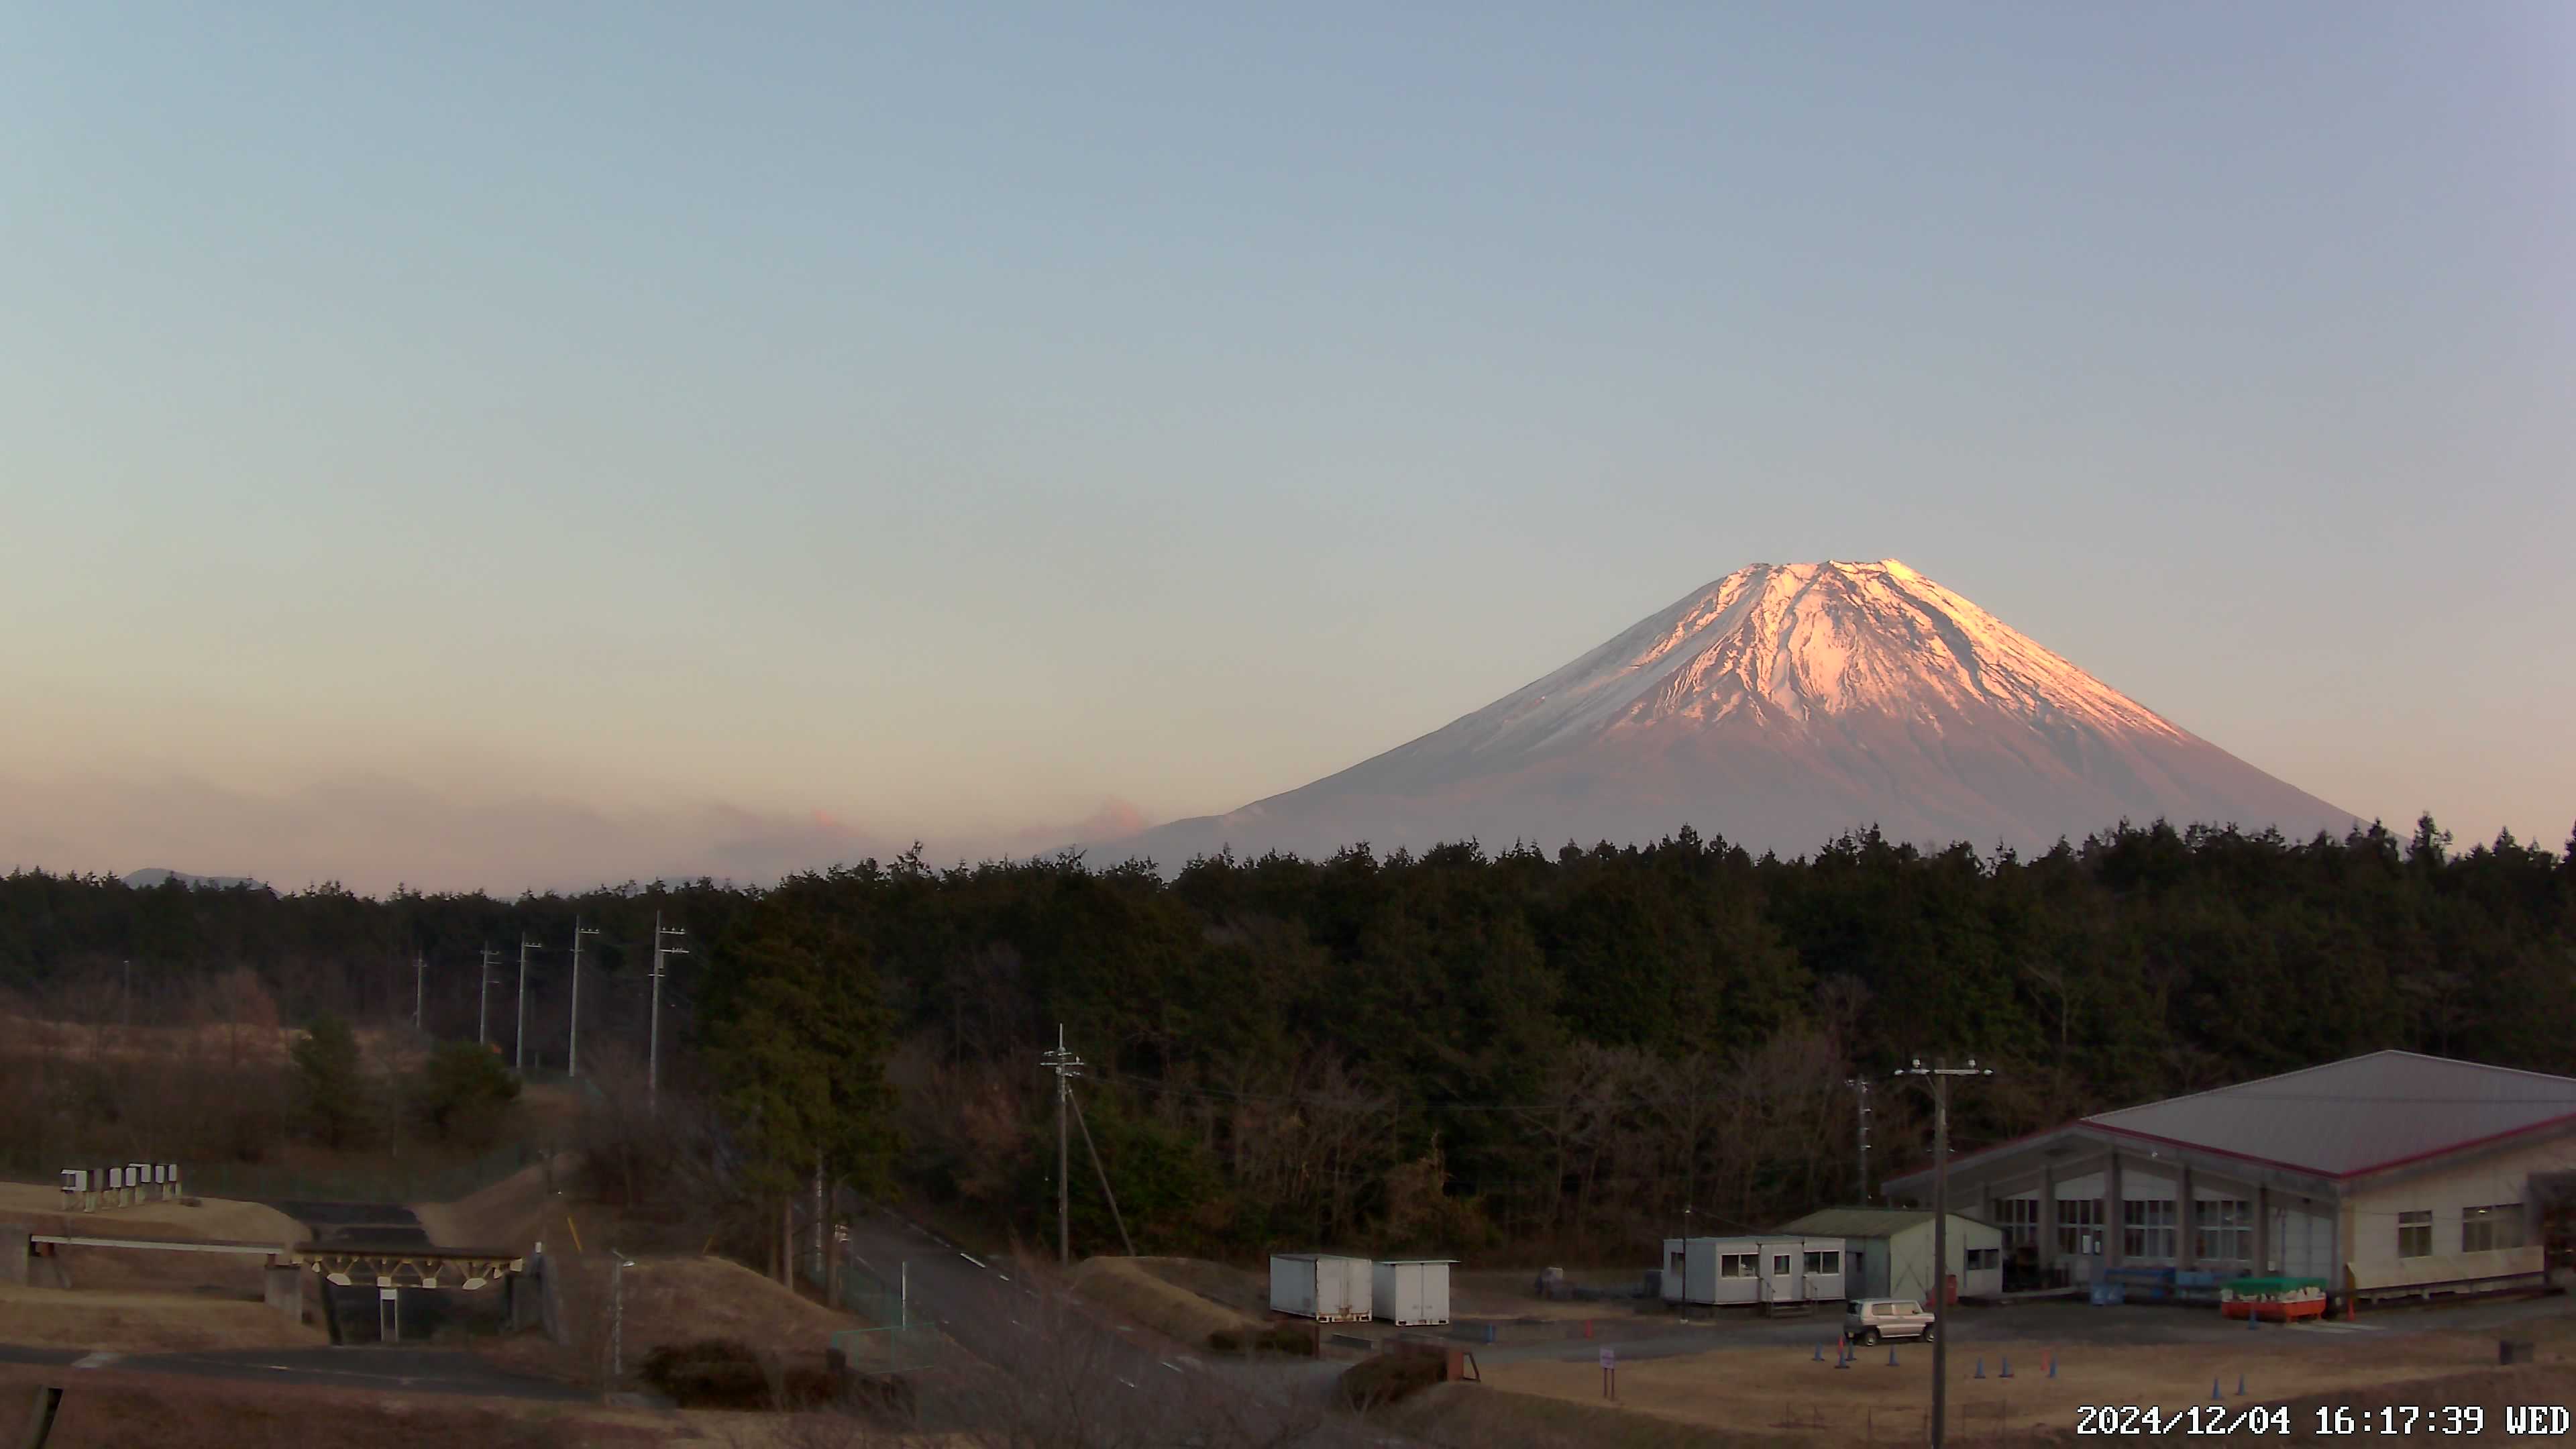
2356,1115
1865,1222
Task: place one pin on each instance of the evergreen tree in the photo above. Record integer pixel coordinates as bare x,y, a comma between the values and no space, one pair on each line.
330,1089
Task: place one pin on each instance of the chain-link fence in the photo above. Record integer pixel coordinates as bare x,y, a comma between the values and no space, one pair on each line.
891,1340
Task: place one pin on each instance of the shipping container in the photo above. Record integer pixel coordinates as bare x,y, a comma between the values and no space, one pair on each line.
1320,1286
1411,1292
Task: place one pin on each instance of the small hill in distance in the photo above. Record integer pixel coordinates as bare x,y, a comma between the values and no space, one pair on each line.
151,877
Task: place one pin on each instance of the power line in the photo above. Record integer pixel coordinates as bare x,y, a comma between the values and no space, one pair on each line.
1939,1077
483,999
1860,1100
1066,1067
572,1061
519,1046
662,936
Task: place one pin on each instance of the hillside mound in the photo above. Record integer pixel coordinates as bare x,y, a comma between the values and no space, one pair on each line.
516,1211
1243,1291
211,1218
146,1322
215,1219
1137,1288
671,1301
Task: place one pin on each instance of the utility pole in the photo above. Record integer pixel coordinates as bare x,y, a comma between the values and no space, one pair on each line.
1860,1089
653,1052
419,987
483,1000
1939,1077
572,1063
519,1048
1066,1067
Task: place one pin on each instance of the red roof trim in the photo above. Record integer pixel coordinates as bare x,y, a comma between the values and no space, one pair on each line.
2203,1147
2561,1120
2082,1123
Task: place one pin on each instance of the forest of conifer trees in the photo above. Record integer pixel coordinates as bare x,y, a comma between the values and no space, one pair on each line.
1461,1049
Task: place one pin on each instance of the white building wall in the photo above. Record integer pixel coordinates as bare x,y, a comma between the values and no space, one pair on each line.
1908,1259
2445,1193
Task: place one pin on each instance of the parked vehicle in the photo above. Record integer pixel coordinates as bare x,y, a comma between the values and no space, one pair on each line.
1868,1320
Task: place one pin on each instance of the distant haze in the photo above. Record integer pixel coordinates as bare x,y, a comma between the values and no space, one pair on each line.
521,446
1779,707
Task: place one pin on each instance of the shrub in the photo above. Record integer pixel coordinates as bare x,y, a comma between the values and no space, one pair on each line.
807,1386
1373,1383
714,1373
462,1093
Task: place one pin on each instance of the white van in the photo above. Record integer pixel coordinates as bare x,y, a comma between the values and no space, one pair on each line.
1868,1320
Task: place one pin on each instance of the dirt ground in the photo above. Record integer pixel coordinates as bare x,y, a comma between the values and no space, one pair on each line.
1783,1390
145,1322
1510,1293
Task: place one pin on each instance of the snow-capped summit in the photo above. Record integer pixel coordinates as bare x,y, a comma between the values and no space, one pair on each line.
1778,707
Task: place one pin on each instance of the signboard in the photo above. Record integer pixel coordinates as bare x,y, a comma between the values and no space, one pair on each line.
1609,1358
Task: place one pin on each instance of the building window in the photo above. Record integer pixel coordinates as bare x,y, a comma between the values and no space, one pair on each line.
2484,1229
2225,1231
2019,1218
2147,1229
1677,1262
1780,1265
1980,1258
1824,1263
1735,1265
2415,1235
2079,1226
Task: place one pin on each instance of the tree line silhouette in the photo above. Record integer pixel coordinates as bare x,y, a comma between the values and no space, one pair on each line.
1457,1049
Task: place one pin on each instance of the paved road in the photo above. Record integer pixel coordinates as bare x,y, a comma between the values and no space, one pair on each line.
994,1313
424,1371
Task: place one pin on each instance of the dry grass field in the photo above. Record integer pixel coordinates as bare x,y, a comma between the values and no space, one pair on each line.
145,1322
1134,1288
670,1300
240,1042
519,1210
247,1222
1780,1393
127,1270
104,1408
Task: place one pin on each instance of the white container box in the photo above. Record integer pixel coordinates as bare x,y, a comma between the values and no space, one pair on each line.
1320,1286
1410,1292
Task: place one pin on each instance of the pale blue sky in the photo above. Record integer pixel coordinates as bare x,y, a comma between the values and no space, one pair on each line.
516,444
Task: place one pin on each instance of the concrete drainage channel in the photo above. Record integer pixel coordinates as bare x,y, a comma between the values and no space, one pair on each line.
384,1309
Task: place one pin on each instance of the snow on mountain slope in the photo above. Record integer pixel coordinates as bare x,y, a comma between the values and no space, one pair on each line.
1777,707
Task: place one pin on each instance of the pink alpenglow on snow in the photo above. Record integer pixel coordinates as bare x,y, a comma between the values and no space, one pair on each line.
1779,707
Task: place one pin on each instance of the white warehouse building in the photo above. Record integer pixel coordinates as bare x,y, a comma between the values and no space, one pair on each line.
2387,1175
1887,1252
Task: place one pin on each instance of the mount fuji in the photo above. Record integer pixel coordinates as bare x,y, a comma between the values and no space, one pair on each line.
1778,707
